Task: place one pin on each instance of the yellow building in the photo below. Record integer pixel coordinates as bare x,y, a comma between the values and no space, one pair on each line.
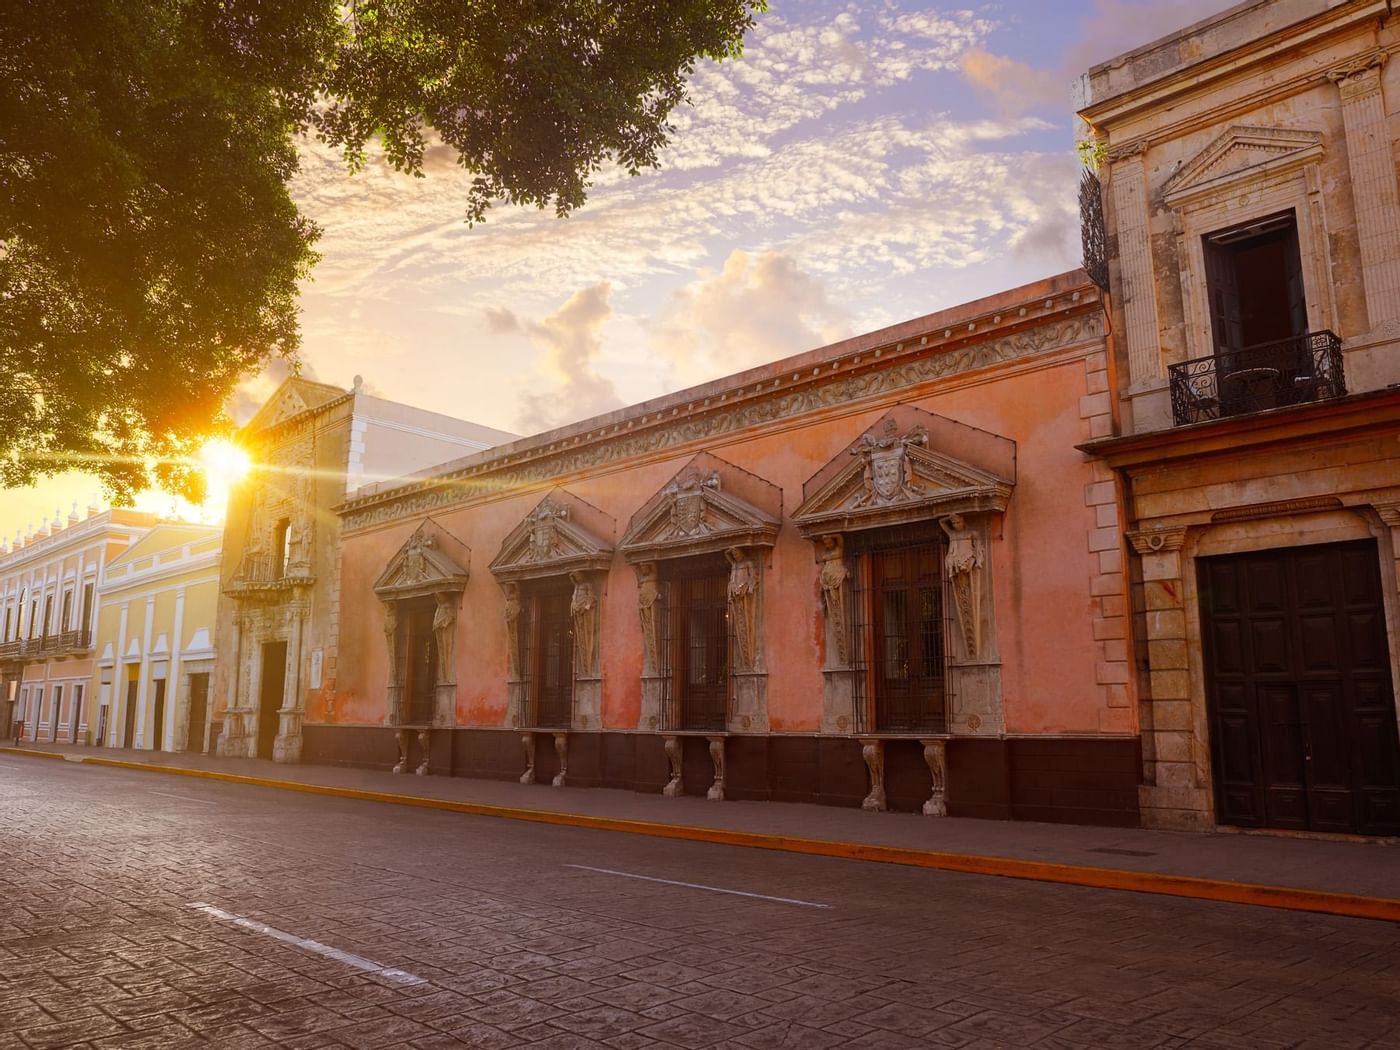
155,641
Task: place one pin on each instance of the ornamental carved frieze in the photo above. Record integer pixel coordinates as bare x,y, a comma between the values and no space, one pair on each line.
706,419
893,474
1163,539
561,535
699,511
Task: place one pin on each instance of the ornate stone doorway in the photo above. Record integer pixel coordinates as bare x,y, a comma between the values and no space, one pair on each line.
272,682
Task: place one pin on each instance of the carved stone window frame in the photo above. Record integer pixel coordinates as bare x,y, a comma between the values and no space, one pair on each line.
429,563
710,507
562,537
1291,180
923,484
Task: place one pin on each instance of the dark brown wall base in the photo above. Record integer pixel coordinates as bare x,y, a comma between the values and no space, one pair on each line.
1058,779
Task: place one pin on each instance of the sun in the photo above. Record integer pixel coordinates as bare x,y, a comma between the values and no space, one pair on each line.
224,465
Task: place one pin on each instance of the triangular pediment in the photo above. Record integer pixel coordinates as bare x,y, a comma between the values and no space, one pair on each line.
1242,153
557,537
292,398
429,562
710,505
893,474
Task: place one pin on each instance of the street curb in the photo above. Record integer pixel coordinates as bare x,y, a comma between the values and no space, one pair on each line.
1225,891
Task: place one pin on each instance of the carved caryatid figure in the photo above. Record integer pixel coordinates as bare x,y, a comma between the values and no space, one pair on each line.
963,564
688,503
743,606
888,476
391,639
584,607
833,576
544,532
445,632
512,592
648,597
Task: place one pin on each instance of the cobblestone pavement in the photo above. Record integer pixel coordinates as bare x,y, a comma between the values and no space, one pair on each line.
338,923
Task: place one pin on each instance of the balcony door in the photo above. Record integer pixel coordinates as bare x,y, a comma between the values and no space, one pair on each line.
1254,274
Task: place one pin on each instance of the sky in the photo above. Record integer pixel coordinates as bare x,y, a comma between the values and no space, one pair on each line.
863,163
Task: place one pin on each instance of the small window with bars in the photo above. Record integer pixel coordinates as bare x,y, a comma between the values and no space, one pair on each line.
899,630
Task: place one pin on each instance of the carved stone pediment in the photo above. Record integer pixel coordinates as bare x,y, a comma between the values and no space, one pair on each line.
292,398
554,539
1240,154
704,509
427,563
892,475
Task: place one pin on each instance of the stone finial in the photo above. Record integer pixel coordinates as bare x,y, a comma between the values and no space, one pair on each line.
73,514
359,384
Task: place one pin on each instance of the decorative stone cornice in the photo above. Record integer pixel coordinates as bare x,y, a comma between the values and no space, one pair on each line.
695,513
893,475
1277,508
1158,540
811,386
1389,513
422,566
550,541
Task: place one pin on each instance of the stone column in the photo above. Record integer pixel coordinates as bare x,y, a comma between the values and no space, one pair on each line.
1131,215
1390,515
287,745
873,752
229,730
1173,796
1373,186
716,792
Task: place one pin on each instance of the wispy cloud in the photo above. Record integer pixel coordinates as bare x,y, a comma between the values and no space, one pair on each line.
752,310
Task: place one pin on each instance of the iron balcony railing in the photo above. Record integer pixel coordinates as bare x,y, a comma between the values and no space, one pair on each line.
1292,371
48,645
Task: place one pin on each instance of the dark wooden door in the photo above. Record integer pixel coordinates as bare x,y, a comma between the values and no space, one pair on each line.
700,614
199,712
129,729
158,723
422,665
907,624
274,681
1302,710
553,648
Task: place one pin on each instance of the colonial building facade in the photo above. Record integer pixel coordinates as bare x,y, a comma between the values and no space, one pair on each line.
155,641
49,583
1253,253
876,574
277,626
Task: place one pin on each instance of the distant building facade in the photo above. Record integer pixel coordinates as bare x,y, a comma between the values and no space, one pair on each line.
876,574
1253,250
48,604
278,618
155,640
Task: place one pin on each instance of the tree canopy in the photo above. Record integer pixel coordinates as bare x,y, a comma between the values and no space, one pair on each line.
150,251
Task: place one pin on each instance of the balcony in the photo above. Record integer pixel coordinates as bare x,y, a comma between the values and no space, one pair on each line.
1293,371
68,643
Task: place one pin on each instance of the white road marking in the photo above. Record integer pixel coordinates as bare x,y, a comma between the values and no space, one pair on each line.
185,798
357,961
697,886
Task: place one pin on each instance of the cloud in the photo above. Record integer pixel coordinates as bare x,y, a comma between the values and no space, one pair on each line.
1013,87
252,393
753,310
572,342
499,319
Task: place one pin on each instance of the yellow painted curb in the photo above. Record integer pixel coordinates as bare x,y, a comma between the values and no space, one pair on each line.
1386,909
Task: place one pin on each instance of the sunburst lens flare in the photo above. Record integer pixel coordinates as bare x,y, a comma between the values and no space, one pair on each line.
224,465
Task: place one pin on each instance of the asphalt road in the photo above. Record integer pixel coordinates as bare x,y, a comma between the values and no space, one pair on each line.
149,911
